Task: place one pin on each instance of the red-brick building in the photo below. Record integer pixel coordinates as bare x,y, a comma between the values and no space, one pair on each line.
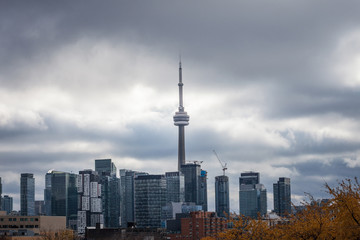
198,225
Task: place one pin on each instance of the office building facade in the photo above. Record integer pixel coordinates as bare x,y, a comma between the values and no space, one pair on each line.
252,195
222,201
127,196
105,166
150,197
27,194
195,184
175,184
282,196
47,193
61,196
110,192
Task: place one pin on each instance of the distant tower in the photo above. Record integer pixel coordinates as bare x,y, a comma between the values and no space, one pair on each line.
222,203
181,119
252,195
110,191
89,200
27,194
61,196
282,196
127,196
150,197
195,184
7,204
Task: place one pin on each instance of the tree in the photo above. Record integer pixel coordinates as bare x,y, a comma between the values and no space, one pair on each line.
345,208
338,218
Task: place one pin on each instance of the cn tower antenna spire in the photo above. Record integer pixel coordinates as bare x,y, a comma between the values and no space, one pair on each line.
181,119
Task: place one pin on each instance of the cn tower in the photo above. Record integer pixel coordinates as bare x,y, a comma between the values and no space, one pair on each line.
181,119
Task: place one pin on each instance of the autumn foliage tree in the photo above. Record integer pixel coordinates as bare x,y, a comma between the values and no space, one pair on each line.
338,218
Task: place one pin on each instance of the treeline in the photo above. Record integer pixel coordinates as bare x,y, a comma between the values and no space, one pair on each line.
338,218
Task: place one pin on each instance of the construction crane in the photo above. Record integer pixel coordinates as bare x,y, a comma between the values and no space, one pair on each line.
223,165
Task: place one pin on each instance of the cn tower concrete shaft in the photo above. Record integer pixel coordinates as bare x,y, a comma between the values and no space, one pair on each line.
181,119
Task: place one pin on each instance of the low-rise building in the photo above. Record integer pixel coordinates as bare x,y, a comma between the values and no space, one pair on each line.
31,225
196,225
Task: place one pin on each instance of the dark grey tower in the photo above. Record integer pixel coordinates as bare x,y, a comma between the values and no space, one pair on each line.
181,119
222,203
282,196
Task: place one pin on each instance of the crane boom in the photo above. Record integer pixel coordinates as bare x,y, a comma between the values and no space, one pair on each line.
223,165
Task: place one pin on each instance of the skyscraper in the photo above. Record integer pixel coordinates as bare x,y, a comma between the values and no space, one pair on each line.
60,196
110,192
181,119
252,195
175,187
150,197
282,196
203,190
89,200
47,193
195,184
27,194
7,204
222,203
105,166
127,196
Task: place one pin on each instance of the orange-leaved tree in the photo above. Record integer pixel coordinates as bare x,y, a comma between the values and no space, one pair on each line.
338,218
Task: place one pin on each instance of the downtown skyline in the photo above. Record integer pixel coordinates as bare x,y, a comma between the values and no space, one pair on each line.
272,87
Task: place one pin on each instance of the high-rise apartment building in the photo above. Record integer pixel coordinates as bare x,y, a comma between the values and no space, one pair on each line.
7,204
89,200
175,187
27,194
222,202
252,195
282,196
150,197
127,196
61,196
110,192
195,184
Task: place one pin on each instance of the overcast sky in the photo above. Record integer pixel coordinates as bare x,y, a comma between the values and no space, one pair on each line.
272,86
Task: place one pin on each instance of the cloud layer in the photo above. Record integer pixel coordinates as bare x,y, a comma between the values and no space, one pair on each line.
273,87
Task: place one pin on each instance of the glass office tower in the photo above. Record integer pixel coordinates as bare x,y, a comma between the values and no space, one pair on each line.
282,196
150,197
252,195
60,196
127,196
110,192
27,194
195,184
175,187
7,204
